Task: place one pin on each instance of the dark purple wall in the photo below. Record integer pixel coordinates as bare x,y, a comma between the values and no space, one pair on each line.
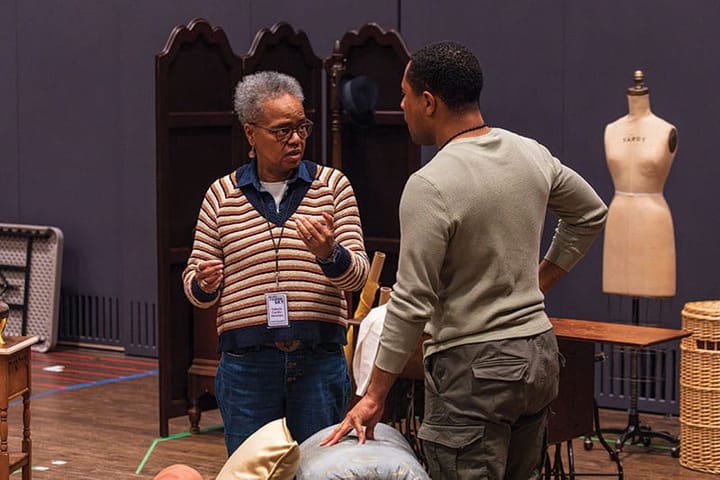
9,164
77,129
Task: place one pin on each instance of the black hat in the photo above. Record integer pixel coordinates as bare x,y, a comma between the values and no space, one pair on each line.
358,96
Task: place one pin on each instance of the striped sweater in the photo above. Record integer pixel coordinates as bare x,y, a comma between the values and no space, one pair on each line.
231,229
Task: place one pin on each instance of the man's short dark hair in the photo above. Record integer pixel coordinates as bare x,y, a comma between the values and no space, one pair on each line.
448,70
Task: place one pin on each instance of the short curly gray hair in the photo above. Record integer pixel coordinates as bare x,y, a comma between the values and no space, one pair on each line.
253,90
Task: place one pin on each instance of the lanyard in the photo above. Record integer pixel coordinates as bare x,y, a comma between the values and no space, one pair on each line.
276,247
277,251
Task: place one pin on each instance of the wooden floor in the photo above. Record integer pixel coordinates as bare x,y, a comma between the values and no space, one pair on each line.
95,416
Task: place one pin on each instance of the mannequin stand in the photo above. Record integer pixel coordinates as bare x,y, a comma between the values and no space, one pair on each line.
635,432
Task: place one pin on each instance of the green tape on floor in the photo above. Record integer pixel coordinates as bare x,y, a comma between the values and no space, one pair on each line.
171,437
610,441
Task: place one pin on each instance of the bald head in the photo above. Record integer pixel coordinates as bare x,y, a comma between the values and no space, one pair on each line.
178,472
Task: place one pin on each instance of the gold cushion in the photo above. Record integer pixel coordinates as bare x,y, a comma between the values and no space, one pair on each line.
269,453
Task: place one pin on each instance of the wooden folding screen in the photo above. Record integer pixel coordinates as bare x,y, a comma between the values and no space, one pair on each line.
377,159
198,140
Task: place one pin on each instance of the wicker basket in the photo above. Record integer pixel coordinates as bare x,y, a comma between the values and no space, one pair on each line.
699,368
700,448
700,387
699,406
703,320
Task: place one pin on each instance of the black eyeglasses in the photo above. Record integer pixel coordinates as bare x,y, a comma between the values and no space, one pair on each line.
283,134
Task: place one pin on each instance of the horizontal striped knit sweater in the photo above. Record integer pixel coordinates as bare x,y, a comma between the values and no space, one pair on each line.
231,229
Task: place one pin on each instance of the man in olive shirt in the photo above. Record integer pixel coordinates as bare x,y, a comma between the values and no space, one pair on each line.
471,224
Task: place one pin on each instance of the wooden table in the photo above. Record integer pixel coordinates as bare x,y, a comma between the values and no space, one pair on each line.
574,406
575,409
638,336
580,369
15,371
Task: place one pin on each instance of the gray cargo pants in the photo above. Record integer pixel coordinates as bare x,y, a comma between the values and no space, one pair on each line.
486,408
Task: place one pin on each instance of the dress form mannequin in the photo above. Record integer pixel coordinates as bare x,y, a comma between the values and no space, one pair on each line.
639,247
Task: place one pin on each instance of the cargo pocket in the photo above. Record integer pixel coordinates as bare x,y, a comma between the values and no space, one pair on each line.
456,451
451,436
508,369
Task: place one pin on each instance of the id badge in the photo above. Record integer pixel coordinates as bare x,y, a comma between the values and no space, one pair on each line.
277,311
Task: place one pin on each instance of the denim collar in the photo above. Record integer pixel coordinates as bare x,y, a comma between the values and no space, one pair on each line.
298,184
247,175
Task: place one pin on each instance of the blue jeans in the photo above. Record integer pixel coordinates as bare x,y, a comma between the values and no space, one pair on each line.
310,387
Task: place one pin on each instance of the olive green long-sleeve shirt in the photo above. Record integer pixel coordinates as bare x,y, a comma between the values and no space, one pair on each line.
471,223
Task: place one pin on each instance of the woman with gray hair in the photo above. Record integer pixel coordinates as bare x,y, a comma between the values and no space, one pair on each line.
277,243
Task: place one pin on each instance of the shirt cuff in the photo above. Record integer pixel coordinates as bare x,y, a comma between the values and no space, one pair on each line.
200,294
339,265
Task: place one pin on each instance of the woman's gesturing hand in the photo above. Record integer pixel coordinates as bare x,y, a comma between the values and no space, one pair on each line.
317,234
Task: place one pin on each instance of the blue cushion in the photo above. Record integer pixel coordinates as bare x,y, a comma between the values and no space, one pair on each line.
388,456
